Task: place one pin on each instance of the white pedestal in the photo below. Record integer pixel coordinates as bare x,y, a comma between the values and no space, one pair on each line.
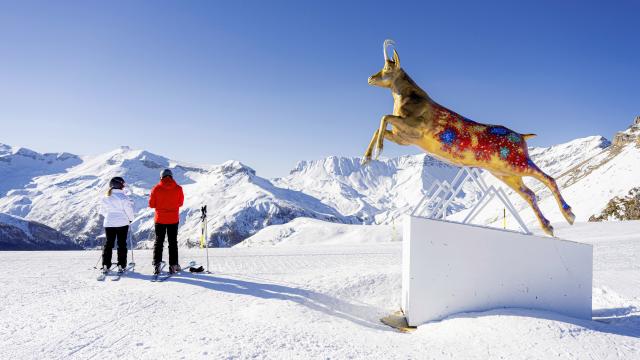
448,268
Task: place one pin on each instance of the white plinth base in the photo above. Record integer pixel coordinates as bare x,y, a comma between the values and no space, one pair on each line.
448,268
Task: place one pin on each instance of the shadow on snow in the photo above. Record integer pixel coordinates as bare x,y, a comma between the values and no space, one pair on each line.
359,314
623,321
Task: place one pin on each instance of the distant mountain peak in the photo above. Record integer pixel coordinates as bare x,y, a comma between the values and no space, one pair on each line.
233,167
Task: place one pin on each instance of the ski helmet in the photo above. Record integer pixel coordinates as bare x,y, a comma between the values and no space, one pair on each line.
165,173
116,183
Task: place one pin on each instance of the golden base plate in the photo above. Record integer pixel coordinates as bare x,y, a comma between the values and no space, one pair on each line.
398,322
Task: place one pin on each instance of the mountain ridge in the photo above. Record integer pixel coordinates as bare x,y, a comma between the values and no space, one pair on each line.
62,190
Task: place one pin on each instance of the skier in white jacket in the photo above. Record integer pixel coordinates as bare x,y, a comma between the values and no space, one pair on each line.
117,209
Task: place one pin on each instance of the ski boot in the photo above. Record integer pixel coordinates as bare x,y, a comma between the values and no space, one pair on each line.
174,269
120,269
156,269
105,270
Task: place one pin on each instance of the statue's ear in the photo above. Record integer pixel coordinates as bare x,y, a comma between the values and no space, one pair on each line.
396,58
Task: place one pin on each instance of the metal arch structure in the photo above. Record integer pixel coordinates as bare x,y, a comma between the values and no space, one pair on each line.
438,198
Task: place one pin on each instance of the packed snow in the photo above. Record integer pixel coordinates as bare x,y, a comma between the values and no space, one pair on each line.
319,296
305,231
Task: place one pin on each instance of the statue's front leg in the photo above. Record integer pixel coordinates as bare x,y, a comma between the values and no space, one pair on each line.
381,132
367,154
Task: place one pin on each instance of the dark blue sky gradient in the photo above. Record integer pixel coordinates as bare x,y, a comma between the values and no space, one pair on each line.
269,83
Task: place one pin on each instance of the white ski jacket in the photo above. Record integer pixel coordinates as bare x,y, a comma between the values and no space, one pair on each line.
117,209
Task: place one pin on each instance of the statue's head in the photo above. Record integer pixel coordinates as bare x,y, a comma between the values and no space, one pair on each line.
390,70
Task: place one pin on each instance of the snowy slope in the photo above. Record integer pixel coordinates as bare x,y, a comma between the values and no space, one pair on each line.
20,234
298,302
305,231
241,202
556,160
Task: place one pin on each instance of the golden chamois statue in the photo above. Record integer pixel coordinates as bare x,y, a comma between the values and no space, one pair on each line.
448,136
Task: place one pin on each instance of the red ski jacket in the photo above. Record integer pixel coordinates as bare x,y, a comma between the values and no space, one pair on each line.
166,197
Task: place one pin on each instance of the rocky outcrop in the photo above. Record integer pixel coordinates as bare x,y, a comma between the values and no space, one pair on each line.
631,135
621,208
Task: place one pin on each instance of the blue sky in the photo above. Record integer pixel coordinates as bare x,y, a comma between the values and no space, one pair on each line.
273,82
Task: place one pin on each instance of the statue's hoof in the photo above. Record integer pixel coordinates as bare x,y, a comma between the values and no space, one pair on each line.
569,216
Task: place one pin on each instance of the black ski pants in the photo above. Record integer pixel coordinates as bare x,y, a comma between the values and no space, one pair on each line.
113,233
171,230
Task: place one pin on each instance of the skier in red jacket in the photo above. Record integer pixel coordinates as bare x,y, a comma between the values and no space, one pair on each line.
167,198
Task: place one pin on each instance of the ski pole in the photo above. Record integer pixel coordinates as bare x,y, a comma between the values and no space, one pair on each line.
97,262
133,260
101,255
206,232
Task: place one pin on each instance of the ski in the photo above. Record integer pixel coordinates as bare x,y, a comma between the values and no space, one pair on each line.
164,277
156,277
117,275
101,276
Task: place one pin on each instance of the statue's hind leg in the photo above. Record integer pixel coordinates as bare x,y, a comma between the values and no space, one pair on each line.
515,182
550,182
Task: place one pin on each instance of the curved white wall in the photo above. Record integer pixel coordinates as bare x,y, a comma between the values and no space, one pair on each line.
450,268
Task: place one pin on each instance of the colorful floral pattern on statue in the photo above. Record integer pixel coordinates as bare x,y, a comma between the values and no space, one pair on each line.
460,136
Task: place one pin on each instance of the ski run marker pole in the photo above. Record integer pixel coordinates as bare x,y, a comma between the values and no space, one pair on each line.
204,240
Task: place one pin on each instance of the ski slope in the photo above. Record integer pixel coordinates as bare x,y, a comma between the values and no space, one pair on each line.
316,299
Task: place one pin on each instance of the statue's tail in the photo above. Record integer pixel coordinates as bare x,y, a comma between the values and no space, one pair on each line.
528,136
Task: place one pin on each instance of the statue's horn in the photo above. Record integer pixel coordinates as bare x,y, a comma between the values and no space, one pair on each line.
386,44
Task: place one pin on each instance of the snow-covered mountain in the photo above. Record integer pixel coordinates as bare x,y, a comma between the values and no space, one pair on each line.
19,166
385,190
63,190
377,193
241,202
613,171
584,169
20,234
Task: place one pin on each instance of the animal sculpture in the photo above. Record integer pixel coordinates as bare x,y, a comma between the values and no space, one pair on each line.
420,121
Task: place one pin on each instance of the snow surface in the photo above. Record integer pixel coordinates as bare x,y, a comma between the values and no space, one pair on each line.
313,301
305,231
